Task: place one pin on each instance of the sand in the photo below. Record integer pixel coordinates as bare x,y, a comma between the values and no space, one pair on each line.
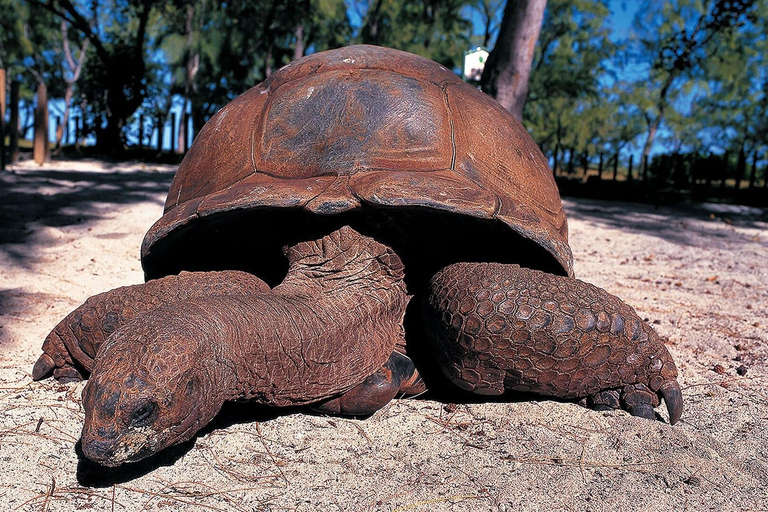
697,273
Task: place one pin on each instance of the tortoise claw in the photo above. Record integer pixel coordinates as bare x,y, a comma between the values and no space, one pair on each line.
639,400
67,374
673,398
398,375
64,374
605,400
643,411
43,367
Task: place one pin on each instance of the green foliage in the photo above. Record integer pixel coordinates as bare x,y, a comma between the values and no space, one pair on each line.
237,44
697,70
736,106
436,29
568,106
30,47
676,41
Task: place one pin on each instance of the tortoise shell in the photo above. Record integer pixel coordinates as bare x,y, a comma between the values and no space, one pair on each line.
386,141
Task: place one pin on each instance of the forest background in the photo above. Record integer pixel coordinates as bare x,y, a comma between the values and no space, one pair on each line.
680,89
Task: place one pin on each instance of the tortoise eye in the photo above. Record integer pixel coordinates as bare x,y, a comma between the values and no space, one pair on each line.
142,414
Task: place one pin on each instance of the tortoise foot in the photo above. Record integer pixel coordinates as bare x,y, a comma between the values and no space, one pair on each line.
607,400
397,375
639,400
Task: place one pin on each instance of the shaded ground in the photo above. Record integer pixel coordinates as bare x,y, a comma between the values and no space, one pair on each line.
699,274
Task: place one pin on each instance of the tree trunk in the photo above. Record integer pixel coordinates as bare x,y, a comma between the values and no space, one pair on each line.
644,163
124,77
60,129
198,118
269,39
76,68
14,124
181,140
506,72
2,119
141,131
369,32
192,66
80,132
173,131
160,133
741,166
724,170
554,159
653,126
600,167
487,12
298,50
40,150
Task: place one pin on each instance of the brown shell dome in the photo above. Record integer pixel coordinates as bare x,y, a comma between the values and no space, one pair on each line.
389,142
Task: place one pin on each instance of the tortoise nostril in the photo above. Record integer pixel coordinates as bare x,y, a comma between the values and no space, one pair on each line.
106,433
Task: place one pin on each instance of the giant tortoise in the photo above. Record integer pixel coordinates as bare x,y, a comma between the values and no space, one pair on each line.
395,211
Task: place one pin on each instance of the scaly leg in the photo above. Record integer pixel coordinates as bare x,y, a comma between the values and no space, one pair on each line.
69,349
500,327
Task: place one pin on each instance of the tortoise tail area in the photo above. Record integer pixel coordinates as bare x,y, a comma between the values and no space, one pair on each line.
69,349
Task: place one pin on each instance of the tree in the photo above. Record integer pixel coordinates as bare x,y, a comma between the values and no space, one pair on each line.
571,103
736,104
435,29
213,51
116,75
674,40
506,72
29,45
488,12
74,67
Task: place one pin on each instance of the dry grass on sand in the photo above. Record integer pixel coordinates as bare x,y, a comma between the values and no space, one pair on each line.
698,273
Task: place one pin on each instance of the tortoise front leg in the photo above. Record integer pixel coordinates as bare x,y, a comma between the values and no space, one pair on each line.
501,327
69,349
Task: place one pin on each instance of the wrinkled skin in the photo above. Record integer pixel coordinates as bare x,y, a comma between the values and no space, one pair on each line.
335,320
69,349
331,336
138,399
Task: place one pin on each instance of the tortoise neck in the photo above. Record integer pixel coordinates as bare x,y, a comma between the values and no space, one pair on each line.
333,322
340,261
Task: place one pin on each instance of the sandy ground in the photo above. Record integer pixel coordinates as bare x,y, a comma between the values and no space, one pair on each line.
699,274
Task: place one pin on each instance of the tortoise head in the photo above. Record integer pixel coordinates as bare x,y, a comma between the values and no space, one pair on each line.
148,390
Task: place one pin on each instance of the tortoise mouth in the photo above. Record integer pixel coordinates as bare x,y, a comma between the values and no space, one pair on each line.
427,240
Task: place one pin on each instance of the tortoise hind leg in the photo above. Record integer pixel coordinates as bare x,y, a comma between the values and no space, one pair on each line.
398,375
501,327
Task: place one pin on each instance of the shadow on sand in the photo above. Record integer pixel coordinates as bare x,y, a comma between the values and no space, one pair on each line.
64,197
686,224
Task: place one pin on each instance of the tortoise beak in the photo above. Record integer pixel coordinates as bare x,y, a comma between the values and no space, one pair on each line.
100,451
